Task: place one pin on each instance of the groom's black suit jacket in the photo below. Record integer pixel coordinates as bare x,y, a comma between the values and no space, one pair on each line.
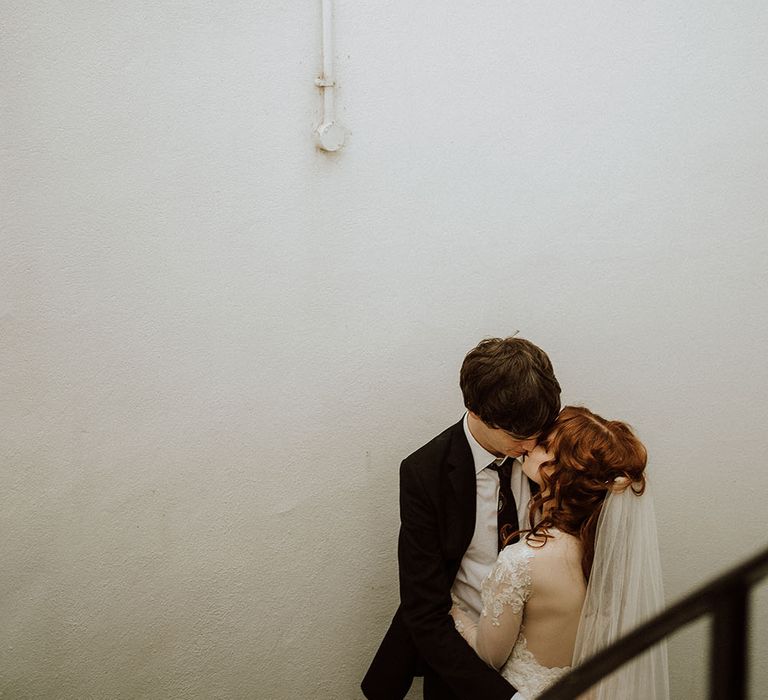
437,521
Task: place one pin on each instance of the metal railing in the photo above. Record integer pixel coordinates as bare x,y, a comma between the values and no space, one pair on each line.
726,597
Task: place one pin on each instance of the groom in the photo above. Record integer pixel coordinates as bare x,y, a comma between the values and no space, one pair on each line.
451,505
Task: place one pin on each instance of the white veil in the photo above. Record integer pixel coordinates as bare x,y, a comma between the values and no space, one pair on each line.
624,590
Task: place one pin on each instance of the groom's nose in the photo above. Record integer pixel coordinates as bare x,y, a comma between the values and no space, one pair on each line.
520,448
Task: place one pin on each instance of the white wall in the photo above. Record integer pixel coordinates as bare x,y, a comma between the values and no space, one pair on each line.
217,343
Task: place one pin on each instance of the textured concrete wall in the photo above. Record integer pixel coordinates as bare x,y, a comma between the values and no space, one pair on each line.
216,343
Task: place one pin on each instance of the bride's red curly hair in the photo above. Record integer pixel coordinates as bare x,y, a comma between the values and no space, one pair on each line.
590,457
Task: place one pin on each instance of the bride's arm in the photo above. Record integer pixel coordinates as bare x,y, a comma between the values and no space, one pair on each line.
499,625
465,625
504,593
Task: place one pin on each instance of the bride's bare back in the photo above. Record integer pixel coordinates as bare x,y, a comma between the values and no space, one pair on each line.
532,602
552,612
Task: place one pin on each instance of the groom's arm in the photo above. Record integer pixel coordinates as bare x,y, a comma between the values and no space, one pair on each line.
425,594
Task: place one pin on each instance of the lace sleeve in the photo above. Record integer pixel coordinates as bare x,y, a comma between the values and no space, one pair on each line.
465,625
504,594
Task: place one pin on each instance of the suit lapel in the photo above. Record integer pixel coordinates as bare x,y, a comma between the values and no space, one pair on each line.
462,479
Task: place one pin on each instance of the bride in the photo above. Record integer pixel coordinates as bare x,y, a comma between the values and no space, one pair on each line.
586,572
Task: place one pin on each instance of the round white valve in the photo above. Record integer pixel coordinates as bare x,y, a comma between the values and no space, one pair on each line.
330,136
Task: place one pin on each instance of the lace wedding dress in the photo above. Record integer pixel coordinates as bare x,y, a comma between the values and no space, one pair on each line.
505,593
506,590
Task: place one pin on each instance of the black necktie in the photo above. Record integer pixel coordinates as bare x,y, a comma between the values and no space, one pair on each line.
507,517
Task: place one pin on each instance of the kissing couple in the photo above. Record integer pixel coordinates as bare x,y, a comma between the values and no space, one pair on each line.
527,544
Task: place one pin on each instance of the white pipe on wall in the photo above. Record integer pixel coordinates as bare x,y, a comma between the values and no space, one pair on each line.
328,87
330,135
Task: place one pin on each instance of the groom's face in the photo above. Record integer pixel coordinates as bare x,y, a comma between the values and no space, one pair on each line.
499,442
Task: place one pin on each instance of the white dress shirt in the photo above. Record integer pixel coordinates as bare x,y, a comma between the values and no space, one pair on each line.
483,549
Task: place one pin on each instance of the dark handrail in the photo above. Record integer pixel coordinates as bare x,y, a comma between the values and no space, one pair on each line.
725,596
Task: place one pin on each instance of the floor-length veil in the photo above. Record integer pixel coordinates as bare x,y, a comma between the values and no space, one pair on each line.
624,590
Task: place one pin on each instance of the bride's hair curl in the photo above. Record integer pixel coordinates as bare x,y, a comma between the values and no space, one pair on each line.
590,457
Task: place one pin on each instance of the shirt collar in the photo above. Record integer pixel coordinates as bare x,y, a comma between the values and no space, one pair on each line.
480,455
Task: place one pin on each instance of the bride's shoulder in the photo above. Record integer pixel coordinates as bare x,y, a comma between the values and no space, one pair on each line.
547,544
557,541
550,551
514,560
554,548
520,551
557,560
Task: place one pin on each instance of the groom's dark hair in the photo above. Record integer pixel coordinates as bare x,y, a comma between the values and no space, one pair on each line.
509,383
